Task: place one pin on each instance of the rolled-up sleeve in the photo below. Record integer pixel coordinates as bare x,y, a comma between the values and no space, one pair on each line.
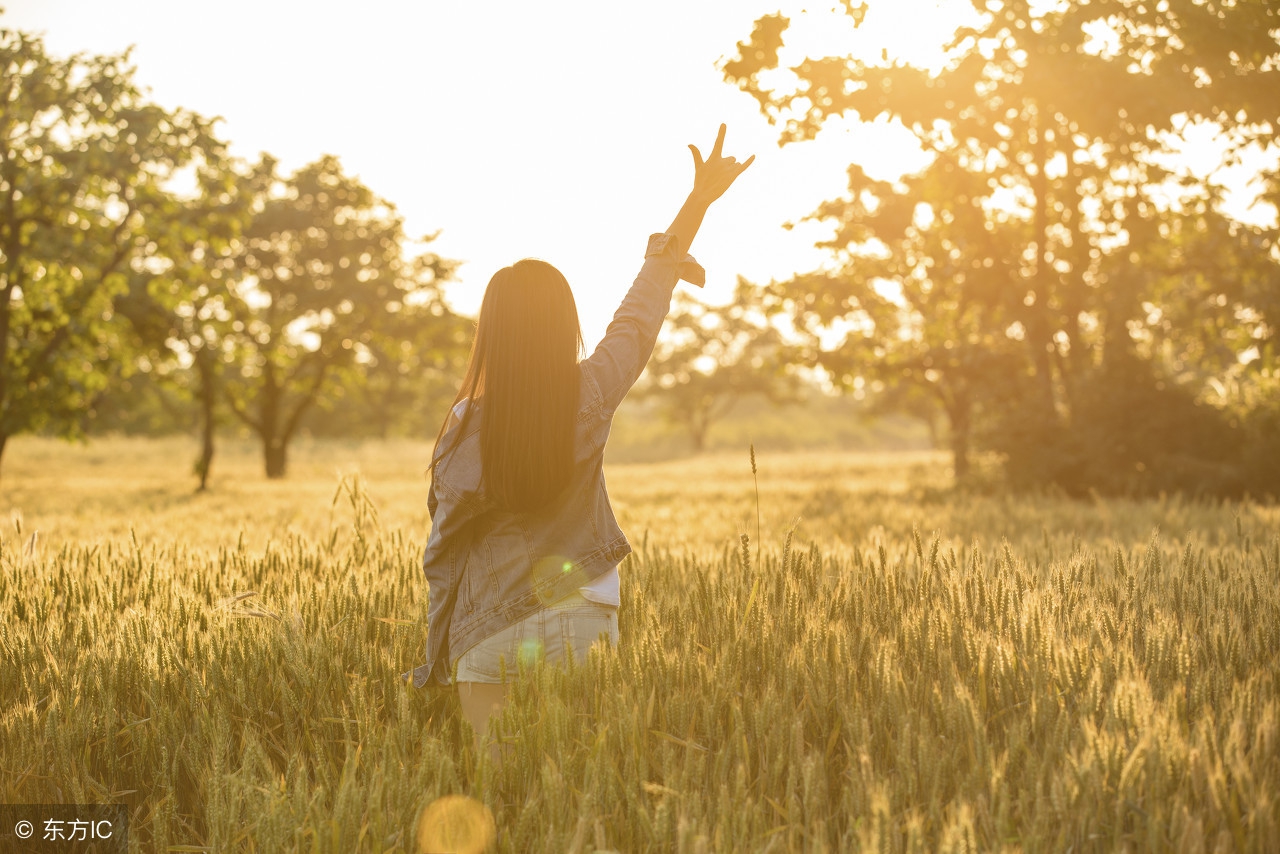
621,355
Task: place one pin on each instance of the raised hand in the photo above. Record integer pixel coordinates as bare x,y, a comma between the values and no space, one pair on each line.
711,177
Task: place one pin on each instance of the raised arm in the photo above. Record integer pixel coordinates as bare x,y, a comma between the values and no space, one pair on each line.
711,177
628,342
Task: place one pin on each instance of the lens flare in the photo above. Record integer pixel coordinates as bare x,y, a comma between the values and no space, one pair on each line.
455,824
546,572
530,651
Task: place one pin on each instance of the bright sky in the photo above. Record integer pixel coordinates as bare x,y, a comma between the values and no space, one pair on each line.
548,129
552,129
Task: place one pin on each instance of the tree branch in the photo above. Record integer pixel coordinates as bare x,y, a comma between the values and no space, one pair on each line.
307,398
241,412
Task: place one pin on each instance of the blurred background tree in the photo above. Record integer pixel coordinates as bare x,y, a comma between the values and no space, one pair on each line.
923,288
1056,129
194,304
147,278
708,358
179,302
84,160
407,372
322,280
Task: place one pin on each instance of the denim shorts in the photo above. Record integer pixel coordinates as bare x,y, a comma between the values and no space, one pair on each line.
547,634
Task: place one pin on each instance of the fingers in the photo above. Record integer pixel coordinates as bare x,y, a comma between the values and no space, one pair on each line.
715,152
715,173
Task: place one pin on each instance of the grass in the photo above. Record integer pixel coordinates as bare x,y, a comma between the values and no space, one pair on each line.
898,667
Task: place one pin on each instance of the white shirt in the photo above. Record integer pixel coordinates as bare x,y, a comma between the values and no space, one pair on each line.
603,589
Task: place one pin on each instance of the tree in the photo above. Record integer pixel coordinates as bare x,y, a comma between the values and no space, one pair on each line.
710,357
1204,291
924,287
179,303
321,271
84,159
1059,115
405,378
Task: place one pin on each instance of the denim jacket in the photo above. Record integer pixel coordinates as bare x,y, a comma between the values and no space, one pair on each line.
488,568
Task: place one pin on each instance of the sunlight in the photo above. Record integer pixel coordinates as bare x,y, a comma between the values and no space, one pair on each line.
456,823
916,32
913,32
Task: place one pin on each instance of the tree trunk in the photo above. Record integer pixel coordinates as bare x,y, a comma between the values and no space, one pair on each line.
958,414
205,370
698,422
932,424
960,450
1119,304
383,413
4,437
1076,292
269,417
698,433
1039,335
274,455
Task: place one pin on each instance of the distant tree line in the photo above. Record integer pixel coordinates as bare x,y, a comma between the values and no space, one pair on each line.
1053,285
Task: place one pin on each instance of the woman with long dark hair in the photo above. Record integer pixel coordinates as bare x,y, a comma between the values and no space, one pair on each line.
524,548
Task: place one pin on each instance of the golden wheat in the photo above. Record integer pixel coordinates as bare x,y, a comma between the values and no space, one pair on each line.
904,669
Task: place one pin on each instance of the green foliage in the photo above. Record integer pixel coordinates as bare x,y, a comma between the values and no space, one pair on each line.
708,358
144,404
250,288
84,159
1050,234
1130,433
1151,412
323,286
350,354
406,380
925,287
1251,399
179,302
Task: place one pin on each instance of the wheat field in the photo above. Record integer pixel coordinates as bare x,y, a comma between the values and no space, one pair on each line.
859,659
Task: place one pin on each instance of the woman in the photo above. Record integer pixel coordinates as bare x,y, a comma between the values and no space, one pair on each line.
524,548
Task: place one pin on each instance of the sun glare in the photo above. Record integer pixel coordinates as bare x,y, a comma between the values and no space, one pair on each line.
914,32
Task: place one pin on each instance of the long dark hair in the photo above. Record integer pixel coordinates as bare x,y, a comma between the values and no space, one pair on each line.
523,371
